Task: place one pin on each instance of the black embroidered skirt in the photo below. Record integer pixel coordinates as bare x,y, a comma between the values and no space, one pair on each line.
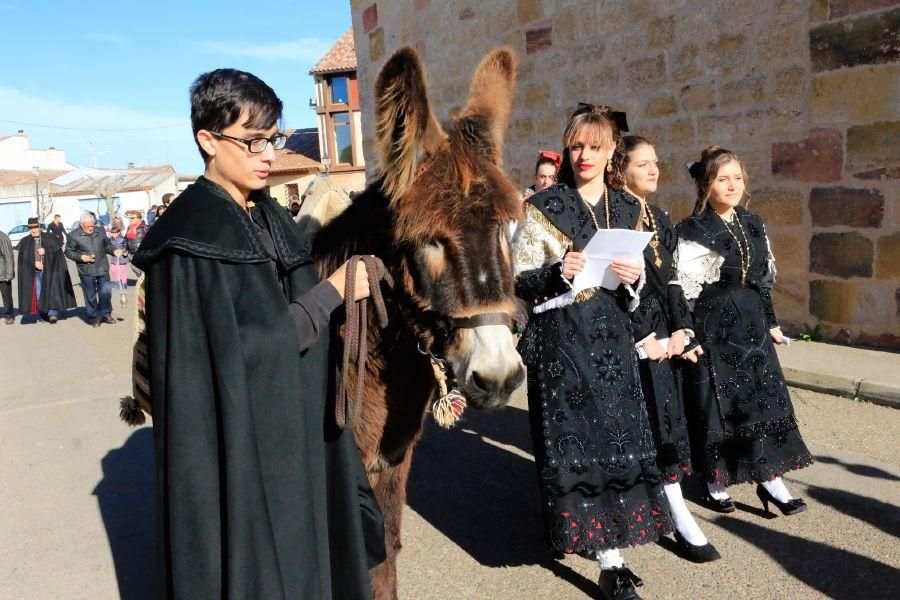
739,408
596,460
663,391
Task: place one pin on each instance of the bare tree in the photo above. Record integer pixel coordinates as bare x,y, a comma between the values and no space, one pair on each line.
107,187
45,201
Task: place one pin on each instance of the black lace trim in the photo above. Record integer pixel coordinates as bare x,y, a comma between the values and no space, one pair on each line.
592,529
760,430
759,473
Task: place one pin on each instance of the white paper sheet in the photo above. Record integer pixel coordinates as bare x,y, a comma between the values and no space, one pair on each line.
606,246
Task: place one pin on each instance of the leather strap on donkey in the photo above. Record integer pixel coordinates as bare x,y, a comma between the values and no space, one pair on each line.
346,406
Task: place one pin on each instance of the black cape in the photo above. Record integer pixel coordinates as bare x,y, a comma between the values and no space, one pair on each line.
259,495
56,284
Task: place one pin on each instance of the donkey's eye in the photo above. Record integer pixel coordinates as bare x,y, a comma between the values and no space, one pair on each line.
433,257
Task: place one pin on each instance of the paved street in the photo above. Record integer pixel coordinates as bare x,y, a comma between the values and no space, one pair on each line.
76,497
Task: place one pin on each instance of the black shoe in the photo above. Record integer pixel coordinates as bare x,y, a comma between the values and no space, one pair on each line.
723,506
791,507
109,319
9,320
694,553
619,584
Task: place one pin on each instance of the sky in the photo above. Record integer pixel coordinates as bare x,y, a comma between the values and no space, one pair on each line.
110,79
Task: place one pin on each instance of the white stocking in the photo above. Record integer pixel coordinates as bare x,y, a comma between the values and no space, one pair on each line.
717,491
684,522
610,559
777,488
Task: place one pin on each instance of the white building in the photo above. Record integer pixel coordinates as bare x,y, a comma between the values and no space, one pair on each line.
25,175
16,155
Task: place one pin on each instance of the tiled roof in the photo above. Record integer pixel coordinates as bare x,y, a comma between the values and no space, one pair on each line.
301,153
8,177
341,57
131,180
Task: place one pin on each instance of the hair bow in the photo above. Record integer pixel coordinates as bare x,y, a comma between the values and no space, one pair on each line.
554,156
617,117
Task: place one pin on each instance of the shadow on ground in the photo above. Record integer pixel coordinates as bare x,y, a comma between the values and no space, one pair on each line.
126,499
857,469
483,497
876,513
834,572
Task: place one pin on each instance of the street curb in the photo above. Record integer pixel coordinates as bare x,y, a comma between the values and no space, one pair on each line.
884,394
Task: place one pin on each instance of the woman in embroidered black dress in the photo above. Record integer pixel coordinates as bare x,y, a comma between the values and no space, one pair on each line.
600,486
740,411
662,328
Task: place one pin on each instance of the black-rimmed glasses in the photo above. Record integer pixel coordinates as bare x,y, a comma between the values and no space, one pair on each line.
257,145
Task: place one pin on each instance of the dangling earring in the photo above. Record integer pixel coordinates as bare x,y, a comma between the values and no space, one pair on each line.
608,167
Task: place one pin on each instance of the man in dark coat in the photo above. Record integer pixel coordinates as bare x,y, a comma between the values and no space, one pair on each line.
88,246
259,495
57,230
45,288
7,274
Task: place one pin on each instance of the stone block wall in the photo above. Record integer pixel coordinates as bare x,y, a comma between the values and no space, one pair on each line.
806,91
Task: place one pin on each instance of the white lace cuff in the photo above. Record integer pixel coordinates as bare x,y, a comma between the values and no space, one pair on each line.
697,266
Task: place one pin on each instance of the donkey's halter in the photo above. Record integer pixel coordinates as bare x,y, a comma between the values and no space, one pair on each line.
450,403
480,320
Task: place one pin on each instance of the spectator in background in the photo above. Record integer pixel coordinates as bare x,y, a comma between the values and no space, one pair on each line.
57,230
544,172
151,215
88,248
160,211
116,221
7,274
295,209
136,231
167,199
45,288
117,264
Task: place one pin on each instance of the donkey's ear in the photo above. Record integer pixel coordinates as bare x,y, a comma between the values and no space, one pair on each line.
491,94
405,128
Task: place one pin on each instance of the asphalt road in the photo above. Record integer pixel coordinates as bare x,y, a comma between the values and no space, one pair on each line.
76,486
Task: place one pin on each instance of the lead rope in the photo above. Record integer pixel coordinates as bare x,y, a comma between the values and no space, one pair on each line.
346,407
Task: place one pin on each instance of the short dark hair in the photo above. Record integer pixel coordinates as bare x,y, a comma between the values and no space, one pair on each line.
152,207
219,97
57,216
167,197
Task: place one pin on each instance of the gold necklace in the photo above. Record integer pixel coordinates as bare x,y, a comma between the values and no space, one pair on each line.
745,266
590,208
654,241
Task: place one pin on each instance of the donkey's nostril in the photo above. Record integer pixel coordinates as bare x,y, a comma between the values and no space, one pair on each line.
481,382
515,380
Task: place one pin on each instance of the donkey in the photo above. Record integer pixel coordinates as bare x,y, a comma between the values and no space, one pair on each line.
438,216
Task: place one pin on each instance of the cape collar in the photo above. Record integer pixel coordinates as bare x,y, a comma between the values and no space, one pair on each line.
206,222
564,207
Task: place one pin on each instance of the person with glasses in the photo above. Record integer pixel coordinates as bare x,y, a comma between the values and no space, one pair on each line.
135,232
88,246
259,494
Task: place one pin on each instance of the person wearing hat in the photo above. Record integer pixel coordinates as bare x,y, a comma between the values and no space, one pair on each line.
7,274
88,246
45,288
